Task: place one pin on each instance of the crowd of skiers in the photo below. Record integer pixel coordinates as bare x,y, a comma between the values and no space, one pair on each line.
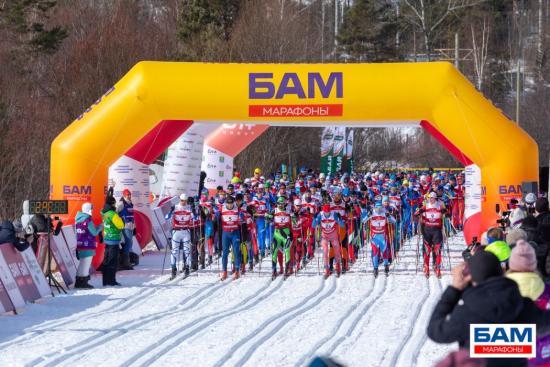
502,280
341,215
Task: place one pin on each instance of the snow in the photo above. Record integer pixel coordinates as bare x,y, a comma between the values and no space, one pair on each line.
253,321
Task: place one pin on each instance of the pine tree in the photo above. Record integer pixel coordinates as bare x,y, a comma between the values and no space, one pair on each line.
204,28
369,31
23,18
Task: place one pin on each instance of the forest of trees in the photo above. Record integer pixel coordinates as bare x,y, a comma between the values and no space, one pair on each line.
58,56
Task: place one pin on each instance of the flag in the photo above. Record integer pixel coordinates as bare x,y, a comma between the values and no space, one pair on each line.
338,149
349,151
327,140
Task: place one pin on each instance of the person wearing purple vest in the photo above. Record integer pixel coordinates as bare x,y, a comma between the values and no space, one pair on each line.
86,233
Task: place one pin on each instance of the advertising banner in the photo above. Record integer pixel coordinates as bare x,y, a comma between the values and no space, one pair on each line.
338,150
60,254
349,151
182,166
70,239
9,284
326,148
128,173
222,146
5,301
20,272
36,272
472,188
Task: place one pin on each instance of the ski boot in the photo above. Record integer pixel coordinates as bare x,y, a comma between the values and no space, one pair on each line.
257,258
223,276
186,271
250,266
237,275
274,275
438,273
338,271
387,270
304,261
327,273
243,268
209,260
174,272
375,272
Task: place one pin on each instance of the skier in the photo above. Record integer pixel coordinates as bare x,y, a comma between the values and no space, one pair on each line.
299,227
431,214
329,222
230,219
261,206
282,238
338,206
311,208
182,220
378,223
207,214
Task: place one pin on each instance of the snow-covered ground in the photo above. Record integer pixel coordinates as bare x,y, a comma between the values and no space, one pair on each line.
201,321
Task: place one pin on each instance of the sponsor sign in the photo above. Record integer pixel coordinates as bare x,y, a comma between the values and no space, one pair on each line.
10,285
60,254
36,272
20,272
503,340
311,86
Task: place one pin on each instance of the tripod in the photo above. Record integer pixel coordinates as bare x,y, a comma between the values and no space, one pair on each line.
49,273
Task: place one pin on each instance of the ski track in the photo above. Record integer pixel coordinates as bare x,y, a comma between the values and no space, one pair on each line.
351,319
356,312
269,328
117,330
166,343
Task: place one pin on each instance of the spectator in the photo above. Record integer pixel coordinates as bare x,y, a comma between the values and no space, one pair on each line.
502,251
494,234
112,227
529,225
514,235
523,266
125,209
86,233
490,298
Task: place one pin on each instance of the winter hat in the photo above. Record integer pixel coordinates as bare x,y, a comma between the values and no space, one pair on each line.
484,265
87,208
523,258
514,235
541,205
500,249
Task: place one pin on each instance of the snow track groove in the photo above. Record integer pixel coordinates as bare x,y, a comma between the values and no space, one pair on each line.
122,328
270,327
166,343
350,319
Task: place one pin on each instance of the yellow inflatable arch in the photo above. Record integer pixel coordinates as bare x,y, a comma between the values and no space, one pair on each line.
434,95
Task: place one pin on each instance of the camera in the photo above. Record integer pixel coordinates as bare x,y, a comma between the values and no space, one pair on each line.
468,253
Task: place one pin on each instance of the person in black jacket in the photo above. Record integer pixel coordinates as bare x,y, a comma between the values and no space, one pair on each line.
543,235
487,298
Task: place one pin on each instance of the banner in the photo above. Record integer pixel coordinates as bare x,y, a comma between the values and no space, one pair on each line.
349,151
20,272
5,301
10,286
221,147
36,272
182,166
65,265
69,236
338,149
162,228
326,149
128,173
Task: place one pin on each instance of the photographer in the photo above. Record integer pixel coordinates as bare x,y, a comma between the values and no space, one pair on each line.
487,297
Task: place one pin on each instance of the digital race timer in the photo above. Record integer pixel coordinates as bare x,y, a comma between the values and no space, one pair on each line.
48,207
